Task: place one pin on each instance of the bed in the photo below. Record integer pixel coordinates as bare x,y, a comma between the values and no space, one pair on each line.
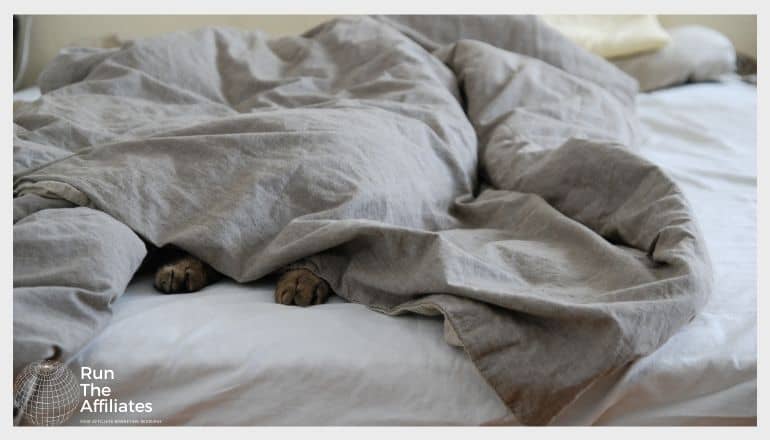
317,366
229,356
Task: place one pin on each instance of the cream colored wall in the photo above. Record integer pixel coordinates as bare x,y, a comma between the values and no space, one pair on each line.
52,32
740,29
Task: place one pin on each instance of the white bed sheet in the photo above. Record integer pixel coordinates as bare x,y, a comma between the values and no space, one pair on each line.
229,356
28,94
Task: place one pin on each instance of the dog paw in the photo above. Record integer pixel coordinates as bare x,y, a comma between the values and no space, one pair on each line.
187,274
301,287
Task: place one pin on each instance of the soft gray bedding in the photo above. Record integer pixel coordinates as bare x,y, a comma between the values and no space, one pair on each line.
476,167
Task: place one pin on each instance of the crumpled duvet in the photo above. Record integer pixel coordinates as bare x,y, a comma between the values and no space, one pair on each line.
480,168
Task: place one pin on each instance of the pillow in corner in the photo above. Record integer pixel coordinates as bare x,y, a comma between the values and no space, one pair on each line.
611,35
695,53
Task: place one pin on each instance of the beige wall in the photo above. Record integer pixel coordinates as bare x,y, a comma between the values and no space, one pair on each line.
52,32
740,29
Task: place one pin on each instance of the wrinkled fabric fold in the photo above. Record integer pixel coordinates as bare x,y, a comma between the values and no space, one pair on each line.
69,266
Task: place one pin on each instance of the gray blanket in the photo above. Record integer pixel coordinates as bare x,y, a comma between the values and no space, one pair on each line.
475,167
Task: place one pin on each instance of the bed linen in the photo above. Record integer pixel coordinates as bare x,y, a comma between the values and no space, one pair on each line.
318,366
695,54
28,94
473,167
611,35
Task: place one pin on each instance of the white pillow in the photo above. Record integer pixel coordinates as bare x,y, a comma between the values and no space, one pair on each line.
696,53
611,35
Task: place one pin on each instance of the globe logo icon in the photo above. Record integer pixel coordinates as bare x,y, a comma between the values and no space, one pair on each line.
46,393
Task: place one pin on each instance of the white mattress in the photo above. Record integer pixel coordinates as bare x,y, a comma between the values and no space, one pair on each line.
229,356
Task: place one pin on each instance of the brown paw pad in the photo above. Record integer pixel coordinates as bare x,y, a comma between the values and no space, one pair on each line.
182,276
301,287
